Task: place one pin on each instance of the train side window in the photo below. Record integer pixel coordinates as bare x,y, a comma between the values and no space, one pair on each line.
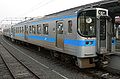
39,29
22,30
45,29
33,29
70,26
15,30
27,29
30,30
18,29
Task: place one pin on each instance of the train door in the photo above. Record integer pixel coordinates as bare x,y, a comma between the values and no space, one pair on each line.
109,35
25,32
59,34
104,37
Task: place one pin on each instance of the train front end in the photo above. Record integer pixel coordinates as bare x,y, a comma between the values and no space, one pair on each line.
95,29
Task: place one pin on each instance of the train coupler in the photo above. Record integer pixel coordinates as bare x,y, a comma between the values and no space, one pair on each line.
102,60
104,63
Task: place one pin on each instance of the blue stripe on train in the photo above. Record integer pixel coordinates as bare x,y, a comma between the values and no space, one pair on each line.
66,41
80,42
42,38
20,35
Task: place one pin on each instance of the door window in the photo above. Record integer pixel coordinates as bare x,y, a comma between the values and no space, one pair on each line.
45,29
60,28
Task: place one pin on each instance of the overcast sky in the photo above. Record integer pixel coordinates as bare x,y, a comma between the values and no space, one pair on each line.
33,8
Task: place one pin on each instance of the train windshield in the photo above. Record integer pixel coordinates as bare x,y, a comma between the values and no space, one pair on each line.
87,23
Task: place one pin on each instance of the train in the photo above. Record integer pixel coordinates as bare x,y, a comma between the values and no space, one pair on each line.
86,35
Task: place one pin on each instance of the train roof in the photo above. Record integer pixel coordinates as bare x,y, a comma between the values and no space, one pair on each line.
108,4
111,5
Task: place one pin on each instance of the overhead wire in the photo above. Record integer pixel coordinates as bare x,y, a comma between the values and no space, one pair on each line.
42,3
37,6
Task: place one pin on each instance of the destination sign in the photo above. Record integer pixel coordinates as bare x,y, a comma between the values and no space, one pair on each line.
102,12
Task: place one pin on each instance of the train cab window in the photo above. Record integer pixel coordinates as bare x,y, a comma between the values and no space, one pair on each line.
45,29
70,26
33,29
39,29
87,23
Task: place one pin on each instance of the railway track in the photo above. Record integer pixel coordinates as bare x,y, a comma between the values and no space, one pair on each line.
15,67
77,73
22,66
4,72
